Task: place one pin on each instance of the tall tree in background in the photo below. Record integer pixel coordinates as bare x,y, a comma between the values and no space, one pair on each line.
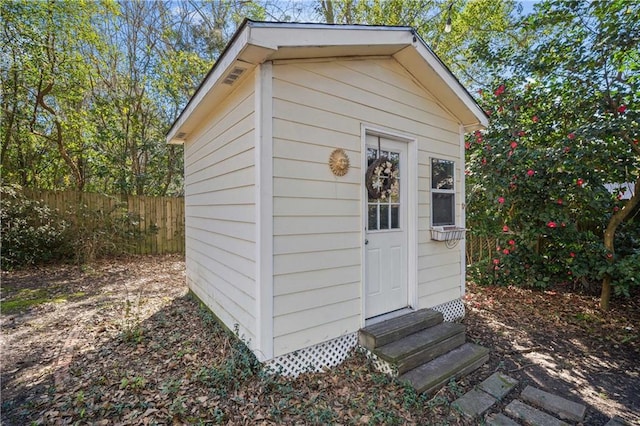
45,129
123,87
480,29
90,88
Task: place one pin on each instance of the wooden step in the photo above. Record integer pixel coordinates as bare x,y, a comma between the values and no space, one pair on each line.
454,364
423,346
385,332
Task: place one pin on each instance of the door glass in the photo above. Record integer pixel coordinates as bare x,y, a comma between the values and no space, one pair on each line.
384,214
373,216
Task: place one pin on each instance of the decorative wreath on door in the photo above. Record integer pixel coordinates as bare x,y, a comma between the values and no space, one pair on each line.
381,179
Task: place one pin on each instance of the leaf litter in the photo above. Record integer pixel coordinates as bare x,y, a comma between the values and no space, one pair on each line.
137,349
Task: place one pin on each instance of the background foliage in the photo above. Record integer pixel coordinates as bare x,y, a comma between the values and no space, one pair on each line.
551,176
89,89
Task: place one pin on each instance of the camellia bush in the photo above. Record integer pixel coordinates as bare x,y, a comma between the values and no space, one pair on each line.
555,179
545,183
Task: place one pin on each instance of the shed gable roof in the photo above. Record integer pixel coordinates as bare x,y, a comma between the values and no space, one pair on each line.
258,42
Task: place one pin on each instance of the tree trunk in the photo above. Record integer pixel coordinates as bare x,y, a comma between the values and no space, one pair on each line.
57,137
327,10
616,219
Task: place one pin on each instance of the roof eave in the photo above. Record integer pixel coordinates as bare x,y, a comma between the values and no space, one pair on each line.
256,42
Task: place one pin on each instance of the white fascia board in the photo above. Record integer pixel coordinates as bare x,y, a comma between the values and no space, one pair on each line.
275,37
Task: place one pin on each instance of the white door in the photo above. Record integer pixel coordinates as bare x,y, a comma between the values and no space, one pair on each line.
386,287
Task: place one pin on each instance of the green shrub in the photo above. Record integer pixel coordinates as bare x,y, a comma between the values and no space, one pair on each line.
97,233
34,233
30,231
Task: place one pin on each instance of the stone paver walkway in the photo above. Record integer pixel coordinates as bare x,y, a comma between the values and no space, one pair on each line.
534,407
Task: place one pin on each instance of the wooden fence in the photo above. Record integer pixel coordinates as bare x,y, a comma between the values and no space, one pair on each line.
159,221
155,224
479,248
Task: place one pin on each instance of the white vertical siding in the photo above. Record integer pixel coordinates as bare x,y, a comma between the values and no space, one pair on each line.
220,211
319,106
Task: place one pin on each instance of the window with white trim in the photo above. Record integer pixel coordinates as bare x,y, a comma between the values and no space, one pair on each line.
443,193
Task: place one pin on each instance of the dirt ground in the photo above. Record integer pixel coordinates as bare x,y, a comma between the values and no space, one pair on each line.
121,342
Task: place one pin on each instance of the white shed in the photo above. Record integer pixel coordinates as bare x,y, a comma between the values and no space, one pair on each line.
291,251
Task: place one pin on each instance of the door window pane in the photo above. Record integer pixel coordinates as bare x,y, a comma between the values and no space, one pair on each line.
384,216
373,217
395,217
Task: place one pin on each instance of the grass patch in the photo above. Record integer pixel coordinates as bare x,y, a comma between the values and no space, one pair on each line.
28,298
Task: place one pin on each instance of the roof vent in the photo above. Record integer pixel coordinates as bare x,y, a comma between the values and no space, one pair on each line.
181,135
233,75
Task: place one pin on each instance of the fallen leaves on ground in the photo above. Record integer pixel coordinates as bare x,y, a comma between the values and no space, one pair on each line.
135,348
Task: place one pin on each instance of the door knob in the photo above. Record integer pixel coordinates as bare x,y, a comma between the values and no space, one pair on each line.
366,242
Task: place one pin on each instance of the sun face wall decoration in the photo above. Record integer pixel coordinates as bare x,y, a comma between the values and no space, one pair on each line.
339,162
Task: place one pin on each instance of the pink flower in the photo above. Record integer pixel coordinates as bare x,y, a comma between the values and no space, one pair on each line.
571,135
496,261
616,208
521,133
609,256
501,200
567,149
551,224
535,119
560,201
505,228
514,144
530,173
480,92
484,161
572,254
622,109
467,145
499,91
580,182
505,251
512,243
